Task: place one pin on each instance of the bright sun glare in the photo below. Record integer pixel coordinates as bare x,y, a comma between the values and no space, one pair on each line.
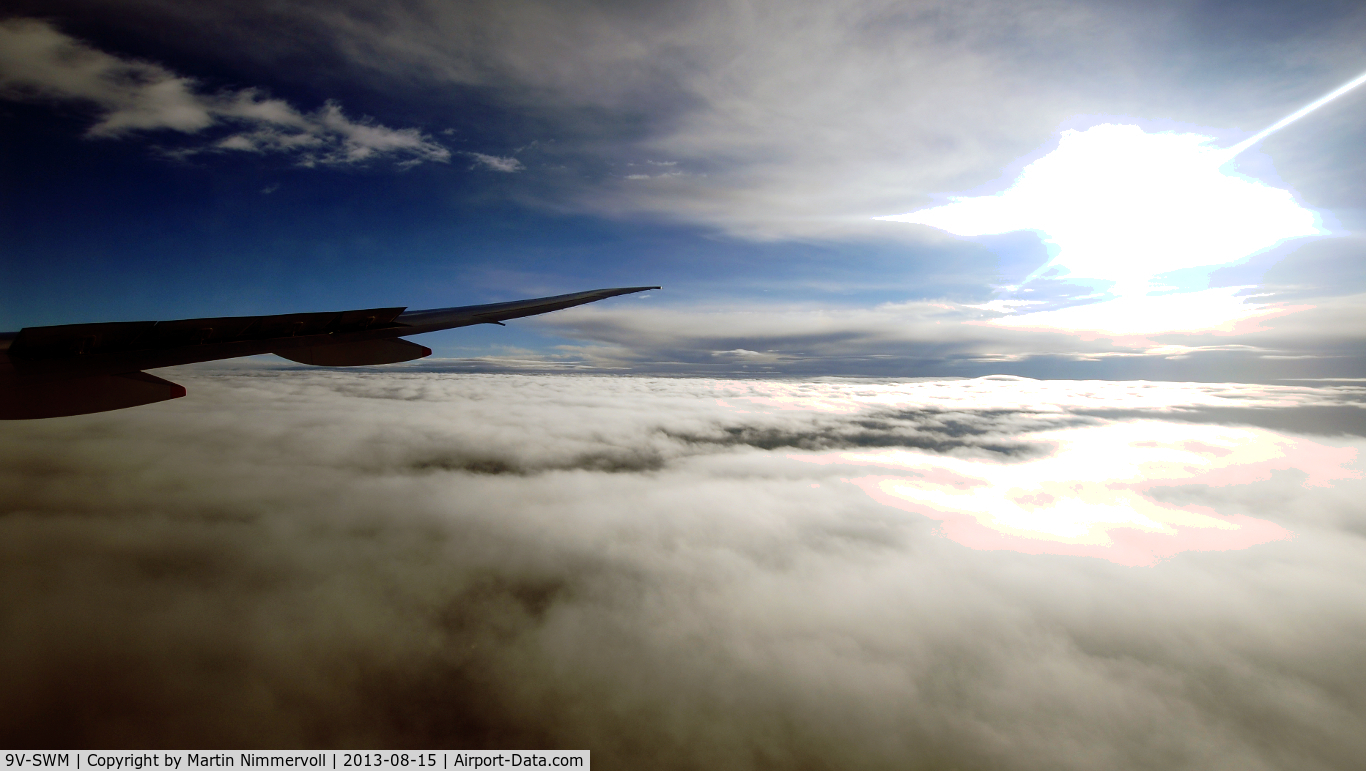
1119,204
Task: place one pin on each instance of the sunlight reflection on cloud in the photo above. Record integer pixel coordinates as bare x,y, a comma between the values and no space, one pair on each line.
1123,205
1093,495
1097,492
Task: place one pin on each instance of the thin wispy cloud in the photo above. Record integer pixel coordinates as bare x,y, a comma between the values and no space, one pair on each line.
130,97
507,165
1215,330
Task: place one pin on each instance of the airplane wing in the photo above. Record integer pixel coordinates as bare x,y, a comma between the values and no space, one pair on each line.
73,369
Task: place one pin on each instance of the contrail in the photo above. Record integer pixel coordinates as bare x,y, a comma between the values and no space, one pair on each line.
1291,118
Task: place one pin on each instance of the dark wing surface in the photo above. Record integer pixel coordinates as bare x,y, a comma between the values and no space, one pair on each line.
74,369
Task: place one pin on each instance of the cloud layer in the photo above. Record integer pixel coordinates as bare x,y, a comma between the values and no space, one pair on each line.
39,62
655,569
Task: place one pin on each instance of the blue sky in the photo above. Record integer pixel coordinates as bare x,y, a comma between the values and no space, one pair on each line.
164,162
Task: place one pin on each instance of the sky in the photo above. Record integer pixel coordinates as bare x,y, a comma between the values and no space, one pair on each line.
797,177
1003,406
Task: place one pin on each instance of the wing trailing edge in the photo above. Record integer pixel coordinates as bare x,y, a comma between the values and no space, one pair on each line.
493,313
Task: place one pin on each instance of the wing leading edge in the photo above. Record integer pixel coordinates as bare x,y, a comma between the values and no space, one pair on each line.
73,369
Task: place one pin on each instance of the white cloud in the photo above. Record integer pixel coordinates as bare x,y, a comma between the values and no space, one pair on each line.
507,165
38,61
656,569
